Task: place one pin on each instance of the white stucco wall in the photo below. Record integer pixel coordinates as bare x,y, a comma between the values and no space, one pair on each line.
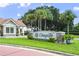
23,29
27,29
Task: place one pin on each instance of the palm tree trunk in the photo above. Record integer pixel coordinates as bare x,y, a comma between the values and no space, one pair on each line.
36,25
40,25
68,28
31,23
45,25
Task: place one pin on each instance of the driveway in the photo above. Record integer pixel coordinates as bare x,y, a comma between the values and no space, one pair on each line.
19,51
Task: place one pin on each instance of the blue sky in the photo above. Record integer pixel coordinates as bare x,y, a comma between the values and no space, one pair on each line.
16,10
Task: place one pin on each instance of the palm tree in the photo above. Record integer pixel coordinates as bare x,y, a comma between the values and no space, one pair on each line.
48,16
30,18
43,14
67,17
39,14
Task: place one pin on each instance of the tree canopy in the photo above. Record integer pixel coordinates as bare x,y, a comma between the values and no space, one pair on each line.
49,18
67,17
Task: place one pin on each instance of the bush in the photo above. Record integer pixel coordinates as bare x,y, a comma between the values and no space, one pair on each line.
26,32
52,40
29,36
68,36
74,32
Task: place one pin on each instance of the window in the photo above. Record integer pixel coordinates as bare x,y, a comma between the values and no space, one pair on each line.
9,30
12,30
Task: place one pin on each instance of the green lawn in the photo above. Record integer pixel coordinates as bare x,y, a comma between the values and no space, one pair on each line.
72,48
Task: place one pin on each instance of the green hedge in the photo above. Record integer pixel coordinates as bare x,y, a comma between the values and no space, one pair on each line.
75,33
52,40
67,36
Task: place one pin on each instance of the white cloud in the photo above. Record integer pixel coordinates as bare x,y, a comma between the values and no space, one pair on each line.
42,4
4,4
18,14
76,20
24,5
61,11
28,4
49,5
39,1
76,8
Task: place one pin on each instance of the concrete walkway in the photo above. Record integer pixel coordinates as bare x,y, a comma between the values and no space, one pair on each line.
19,51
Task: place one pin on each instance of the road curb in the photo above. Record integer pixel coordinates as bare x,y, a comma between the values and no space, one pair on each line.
42,49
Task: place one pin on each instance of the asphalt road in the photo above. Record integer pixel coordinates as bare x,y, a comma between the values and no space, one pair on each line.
19,51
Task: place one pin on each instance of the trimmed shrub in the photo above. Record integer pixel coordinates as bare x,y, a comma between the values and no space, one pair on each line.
52,40
30,37
26,32
68,36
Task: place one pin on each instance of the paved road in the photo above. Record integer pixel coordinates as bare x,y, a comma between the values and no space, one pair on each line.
19,51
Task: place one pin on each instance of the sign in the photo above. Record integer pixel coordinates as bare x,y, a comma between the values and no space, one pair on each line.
47,34
44,34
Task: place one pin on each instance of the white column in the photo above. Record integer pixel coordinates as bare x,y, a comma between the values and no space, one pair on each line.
14,31
19,31
23,32
4,30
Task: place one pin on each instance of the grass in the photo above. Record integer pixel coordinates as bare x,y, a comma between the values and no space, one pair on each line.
71,48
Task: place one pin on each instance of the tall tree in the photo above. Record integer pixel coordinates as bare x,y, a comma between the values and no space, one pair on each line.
67,17
30,18
24,16
43,14
55,12
76,27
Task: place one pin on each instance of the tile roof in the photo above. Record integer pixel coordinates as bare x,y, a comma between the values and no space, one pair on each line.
2,20
17,22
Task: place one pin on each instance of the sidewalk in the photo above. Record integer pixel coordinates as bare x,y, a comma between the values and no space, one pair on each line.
13,36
